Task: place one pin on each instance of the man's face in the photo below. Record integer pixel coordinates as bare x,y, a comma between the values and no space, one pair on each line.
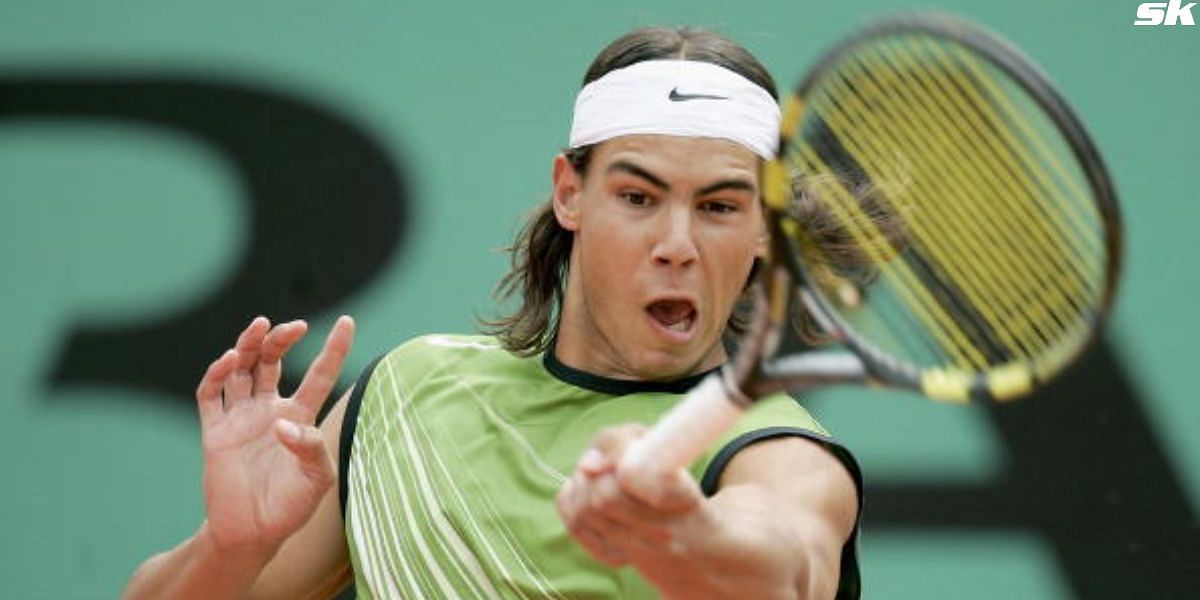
666,231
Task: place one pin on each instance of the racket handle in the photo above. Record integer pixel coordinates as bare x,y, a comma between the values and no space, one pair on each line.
680,436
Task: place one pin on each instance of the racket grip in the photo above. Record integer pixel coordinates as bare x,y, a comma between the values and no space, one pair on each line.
678,438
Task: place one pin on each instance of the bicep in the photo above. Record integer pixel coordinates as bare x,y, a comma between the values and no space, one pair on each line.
810,492
314,562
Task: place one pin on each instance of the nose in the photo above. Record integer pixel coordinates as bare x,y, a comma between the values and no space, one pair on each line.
675,243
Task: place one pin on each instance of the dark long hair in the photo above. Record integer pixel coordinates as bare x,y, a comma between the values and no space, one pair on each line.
542,249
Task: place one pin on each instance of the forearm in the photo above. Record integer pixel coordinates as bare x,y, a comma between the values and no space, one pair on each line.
196,568
743,548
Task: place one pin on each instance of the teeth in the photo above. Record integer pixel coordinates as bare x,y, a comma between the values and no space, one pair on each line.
681,326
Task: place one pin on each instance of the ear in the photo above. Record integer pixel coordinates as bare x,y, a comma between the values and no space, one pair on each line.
568,189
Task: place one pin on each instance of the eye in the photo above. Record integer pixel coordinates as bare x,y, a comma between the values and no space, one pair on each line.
718,207
634,198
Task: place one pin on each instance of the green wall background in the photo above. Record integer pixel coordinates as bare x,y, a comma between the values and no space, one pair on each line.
120,224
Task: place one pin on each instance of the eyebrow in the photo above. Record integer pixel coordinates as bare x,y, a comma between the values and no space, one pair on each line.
728,184
624,166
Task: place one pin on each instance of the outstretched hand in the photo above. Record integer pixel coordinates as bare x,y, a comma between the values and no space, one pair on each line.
767,533
265,464
615,525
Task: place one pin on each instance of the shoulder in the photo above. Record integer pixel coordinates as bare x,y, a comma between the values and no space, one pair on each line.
403,371
776,417
431,354
443,346
437,364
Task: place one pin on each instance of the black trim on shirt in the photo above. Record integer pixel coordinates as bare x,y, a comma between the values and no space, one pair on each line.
346,438
712,475
850,586
616,387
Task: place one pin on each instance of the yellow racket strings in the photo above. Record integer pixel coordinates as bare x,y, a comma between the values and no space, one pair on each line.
1004,254
988,263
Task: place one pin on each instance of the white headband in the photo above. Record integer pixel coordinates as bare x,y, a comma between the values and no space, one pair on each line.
677,97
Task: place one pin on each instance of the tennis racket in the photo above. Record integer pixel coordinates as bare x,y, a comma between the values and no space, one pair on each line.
938,211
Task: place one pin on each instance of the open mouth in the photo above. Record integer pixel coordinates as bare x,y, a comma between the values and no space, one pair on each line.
673,315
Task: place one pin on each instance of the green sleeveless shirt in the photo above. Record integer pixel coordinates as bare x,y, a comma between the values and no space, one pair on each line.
452,452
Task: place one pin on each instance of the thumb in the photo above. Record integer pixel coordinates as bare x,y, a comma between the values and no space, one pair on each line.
304,441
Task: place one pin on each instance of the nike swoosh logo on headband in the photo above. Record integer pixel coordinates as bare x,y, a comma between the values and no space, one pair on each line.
675,96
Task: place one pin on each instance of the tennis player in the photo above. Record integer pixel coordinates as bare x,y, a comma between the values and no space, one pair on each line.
485,465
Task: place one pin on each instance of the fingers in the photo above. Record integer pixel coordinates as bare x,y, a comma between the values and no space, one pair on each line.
239,386
612,525
322,375
608,447
250,341
254,365
306,444
604,499
277,343
569,502
595,463
208,393
678,493
598,546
